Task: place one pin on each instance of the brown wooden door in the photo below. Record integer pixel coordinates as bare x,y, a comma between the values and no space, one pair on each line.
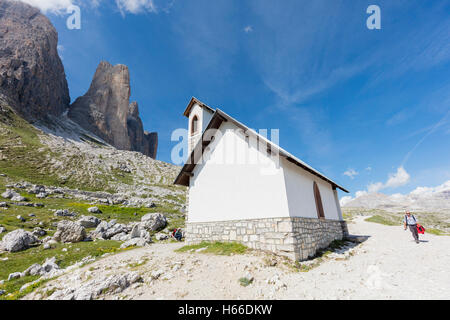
318,199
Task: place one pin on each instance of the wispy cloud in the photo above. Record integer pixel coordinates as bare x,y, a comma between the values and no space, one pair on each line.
351,173
50,6
124,6
136,6
248,29
438,124
417,193
397,179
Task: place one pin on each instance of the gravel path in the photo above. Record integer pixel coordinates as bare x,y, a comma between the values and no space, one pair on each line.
389,265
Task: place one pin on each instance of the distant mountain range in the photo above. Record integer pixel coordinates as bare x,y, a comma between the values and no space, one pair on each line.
421,199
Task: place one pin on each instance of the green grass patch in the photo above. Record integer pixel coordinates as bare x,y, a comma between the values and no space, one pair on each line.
217,248
436,232
382,220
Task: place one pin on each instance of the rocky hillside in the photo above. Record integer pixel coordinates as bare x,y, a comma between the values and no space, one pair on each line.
106,111
423,200
65,155
33,83
80,176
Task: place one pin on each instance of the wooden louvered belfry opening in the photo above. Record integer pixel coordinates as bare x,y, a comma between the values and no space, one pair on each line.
194,125
318,198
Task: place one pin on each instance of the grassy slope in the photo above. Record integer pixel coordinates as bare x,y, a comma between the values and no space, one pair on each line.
217,247
24,158
20,261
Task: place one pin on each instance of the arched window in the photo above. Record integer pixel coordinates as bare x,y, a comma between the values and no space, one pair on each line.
319,206
194,125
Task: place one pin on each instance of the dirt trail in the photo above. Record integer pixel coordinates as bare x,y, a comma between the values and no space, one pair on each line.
389,265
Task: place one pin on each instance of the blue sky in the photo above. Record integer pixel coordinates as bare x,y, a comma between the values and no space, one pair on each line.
369,108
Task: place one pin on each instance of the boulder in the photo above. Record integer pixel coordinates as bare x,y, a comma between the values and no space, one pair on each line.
121,237
69,231
138,231
138,242
115,229
18,198
153,221
34,270
89,221
39,232
107,230
2,229
3,205
15,275
94,210
96,287
37,189
161,236
41,195
64,213
50,265
18,240
8,194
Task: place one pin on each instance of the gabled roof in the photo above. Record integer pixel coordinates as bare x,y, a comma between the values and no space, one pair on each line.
191,104
217,119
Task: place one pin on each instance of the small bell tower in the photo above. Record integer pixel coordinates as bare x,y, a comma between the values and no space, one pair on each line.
199,115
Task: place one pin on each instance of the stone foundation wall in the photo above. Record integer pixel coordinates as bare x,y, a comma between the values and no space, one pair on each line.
294,237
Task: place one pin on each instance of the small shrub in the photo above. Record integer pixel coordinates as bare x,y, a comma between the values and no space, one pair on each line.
245,281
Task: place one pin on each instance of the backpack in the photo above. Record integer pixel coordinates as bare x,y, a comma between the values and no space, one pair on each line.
420,229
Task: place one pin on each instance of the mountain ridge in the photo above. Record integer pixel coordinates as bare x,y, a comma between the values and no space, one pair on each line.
33,82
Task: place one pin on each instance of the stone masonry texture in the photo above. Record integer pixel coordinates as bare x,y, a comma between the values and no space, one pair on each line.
295,237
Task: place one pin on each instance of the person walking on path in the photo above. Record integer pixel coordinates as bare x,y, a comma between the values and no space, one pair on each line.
411,222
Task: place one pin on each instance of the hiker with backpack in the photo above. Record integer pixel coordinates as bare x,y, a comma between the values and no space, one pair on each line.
411,222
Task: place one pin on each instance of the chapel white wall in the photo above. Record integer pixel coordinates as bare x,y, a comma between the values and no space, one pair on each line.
300,193
226,190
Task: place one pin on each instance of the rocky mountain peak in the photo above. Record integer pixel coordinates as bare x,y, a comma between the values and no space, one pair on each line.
33,82
32,75
106,111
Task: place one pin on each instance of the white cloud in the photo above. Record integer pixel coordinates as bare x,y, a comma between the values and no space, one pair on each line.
345,200
375,187
50,6
60,48
60,6
351,173
248,29
420,196
136,6
360,193
424,191
398,179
